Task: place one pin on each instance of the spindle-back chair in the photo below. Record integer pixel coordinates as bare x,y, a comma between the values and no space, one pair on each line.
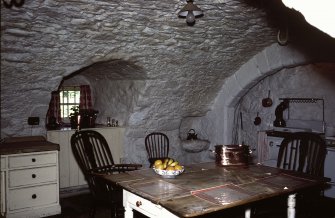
93,156
157,146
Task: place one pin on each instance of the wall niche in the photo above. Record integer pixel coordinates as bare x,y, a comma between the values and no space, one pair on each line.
115,86
306,81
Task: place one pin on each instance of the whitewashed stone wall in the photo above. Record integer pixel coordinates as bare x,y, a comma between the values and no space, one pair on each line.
183,67
308,81
159,71
224,121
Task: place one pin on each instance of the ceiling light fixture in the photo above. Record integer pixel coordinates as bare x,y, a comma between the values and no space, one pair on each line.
190,11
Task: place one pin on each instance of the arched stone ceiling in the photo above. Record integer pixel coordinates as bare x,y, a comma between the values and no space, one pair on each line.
113,70
183,67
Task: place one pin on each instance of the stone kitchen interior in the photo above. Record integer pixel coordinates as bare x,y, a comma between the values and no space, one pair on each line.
243,72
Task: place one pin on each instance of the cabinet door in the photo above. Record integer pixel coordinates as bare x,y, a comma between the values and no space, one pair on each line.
70,174
3,173
3,163
2,192
114,138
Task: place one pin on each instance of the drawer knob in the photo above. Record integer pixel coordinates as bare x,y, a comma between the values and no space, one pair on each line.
34,196
33,176
138,203
33,160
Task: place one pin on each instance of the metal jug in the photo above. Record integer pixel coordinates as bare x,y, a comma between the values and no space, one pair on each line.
191,135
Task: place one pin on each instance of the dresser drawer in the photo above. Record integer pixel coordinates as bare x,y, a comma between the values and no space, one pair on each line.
32,176
32,160
142,205
32,197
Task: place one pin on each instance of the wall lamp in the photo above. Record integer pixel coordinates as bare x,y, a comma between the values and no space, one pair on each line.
190,11
11,3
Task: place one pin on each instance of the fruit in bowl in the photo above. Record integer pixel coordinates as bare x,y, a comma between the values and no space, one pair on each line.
168,168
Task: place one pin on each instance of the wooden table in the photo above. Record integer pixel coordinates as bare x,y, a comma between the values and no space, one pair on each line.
205,188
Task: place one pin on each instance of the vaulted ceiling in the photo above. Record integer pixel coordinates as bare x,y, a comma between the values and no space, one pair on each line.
181,69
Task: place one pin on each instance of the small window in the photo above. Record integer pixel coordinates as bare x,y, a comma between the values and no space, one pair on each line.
69,97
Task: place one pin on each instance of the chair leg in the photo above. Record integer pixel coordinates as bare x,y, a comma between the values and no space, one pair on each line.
117,211
92,211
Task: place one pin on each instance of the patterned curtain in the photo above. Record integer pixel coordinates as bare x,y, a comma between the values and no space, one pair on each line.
85,97
54,108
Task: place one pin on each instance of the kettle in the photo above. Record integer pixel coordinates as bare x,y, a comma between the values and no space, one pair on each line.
191,135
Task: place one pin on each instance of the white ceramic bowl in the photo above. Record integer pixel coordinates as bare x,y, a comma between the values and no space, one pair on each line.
168,174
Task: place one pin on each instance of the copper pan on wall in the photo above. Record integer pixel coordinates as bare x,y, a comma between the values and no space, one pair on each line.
267,102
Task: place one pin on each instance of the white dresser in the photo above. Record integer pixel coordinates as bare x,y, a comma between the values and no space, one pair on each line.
71,177
29,178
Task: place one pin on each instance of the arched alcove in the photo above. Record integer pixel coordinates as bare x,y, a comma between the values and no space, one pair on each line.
115,85
271,60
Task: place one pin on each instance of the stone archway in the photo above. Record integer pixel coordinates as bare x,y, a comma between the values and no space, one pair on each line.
115,86
271,60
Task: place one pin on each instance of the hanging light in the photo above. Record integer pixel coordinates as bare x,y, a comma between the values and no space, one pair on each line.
190,11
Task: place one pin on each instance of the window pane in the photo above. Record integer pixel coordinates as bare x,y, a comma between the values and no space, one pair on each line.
77,100
72,96
69,97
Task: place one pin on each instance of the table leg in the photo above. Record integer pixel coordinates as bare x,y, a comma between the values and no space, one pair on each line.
291,202
128,211
247,213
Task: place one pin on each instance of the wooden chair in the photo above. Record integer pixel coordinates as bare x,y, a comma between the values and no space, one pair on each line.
93,155
304,152
157,146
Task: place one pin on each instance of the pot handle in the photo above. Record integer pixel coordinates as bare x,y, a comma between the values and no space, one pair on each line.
192,131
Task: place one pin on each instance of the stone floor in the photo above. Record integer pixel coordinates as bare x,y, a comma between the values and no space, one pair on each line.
78,207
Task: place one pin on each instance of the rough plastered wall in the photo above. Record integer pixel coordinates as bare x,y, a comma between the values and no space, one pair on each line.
222,124
168,70
307,81
182,67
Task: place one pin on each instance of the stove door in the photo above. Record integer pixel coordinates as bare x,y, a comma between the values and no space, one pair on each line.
273,147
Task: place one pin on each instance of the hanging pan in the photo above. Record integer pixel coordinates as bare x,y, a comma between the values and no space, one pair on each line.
267,102
258,120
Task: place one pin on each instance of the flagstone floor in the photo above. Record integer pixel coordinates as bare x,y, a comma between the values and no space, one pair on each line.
78,207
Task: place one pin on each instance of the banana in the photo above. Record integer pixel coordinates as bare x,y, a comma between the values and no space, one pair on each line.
174,163
170,161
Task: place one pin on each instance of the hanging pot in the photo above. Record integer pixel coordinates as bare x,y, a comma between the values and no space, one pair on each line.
267,102
191,135
258,120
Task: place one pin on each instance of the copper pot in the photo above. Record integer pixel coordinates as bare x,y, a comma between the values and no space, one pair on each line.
267,102
228,155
